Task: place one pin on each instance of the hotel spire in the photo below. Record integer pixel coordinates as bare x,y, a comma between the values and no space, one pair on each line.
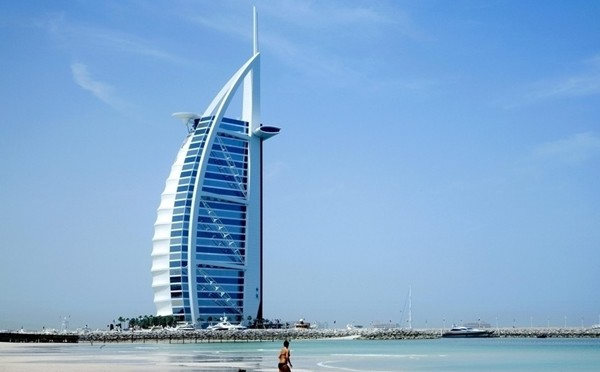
255,30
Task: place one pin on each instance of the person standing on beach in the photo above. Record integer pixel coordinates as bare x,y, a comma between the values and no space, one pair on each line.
284,358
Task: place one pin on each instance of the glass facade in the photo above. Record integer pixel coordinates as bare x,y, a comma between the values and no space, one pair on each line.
218,247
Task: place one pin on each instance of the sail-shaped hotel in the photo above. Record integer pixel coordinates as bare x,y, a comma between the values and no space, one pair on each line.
207,245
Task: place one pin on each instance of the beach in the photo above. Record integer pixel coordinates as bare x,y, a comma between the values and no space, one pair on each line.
500,354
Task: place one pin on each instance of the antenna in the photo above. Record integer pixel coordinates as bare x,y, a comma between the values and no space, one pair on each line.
255,30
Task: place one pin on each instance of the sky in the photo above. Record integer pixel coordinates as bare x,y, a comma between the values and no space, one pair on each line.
450,146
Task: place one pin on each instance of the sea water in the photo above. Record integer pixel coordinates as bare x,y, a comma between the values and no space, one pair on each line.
494,354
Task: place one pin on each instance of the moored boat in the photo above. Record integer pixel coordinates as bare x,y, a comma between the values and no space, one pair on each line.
301,324
352,327
458,332
224,325
185,327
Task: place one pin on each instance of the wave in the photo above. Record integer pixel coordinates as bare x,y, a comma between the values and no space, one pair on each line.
382,355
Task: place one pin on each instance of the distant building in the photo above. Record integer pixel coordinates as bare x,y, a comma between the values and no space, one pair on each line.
207,245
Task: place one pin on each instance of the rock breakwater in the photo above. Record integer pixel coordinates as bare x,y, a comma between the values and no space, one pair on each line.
177,336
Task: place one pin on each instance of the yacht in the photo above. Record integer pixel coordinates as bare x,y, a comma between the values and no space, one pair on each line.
301,324
185,327
468,332
224,325
351,327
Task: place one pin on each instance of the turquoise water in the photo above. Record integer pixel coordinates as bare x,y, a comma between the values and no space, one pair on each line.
497,354
459,355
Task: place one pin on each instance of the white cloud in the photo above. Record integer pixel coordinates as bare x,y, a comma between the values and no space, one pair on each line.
572,86
584,83
78,37
307,59
341,17
102,91
129,44
303,14
324,14
574,149
312,20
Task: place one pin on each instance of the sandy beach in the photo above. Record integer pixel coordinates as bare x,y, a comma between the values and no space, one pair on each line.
56,357
125,358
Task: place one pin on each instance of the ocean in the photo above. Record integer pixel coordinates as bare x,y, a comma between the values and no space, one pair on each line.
493,354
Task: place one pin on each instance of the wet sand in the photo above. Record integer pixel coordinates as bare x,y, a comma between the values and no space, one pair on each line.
53,357
65,357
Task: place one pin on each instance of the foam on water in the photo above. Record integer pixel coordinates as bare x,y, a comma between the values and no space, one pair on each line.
382,355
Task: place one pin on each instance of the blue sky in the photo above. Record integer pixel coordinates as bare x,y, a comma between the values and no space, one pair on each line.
451,146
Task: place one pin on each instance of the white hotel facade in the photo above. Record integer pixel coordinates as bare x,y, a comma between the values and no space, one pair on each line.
207,244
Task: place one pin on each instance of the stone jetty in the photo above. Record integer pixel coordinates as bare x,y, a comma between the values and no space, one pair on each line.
197,336
549,332
38,337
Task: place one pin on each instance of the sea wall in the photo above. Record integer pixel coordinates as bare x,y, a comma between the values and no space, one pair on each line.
20,337
176,336
399,334
549,332
295,334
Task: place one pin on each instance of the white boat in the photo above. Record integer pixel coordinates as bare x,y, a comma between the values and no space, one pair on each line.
352,327
224,325
301,324
457,332
185,327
